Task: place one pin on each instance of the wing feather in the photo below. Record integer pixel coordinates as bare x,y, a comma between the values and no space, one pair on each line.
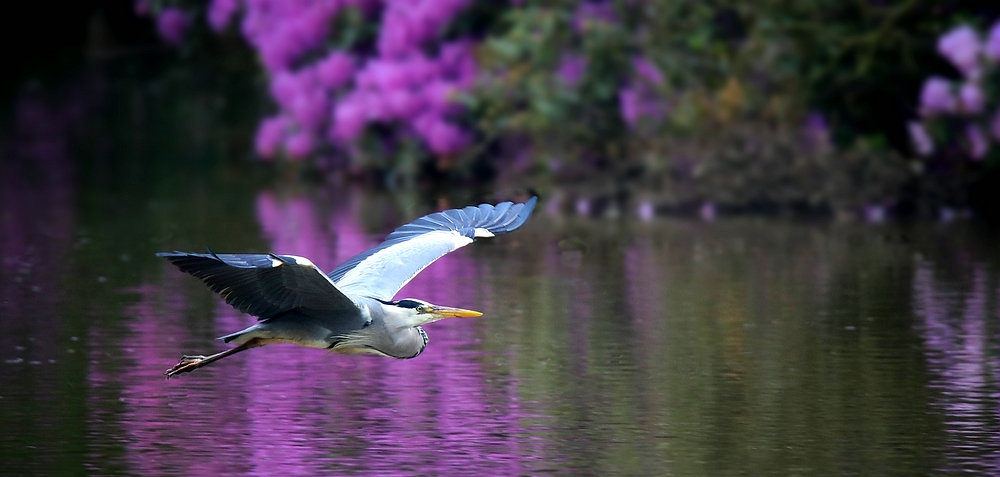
267,285
381,271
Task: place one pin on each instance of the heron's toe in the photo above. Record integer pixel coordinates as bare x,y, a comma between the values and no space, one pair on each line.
186,365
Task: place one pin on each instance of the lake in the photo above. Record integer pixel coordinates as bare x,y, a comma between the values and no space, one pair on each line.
608,346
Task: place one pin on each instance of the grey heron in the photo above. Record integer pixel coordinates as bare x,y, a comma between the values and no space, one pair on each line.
350,310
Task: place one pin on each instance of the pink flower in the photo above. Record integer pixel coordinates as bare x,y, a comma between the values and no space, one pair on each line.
408,24
220,12
383,74
367,6
971,98
817,131
310,109
571,68
284,88
438,95
923,145
628,104
336,69
171,25
992,47
589,14
635,103
376,106
961,46
299,145
284,31
936,97
441,137
141,8
269,136
348,118
276,54
287,86
453,54
403,104
458,62
311,27
398,82
978,142
647,70
423,69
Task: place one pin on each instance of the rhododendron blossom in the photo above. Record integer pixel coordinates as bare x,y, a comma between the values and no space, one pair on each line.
171,24
962,47
331,93
936,97
960,109
971,98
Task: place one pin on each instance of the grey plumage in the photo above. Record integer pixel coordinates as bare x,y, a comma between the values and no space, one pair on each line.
350,310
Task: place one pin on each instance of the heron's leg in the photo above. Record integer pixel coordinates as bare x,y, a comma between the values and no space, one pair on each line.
191,363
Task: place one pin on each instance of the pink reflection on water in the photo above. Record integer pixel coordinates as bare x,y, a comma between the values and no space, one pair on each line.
168,428
37,221
287,410
37,224
644,292
432,412
957,343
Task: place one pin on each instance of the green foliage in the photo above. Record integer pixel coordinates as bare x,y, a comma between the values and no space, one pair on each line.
733,71
571,81
781,172
522,95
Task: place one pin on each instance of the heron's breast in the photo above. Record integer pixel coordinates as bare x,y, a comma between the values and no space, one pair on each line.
358,350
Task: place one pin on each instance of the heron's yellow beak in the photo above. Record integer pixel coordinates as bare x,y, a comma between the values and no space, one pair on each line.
446,312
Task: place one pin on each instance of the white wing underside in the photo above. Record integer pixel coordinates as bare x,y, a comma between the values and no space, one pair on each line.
383,273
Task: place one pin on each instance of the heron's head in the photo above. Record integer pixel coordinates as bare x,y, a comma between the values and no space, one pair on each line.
412,312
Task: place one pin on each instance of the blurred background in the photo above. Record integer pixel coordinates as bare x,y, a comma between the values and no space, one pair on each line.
765,243
834,109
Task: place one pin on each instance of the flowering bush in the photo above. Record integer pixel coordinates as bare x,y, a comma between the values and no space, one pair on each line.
658,92
958,116
340,69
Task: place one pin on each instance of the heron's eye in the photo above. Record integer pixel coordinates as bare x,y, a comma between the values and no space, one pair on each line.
423,309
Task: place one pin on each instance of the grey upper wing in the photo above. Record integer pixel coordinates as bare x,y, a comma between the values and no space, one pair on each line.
381,271
267,285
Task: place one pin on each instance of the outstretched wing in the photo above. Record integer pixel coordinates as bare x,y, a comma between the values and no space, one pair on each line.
381,271
267,285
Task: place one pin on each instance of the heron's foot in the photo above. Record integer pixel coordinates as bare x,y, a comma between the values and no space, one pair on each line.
186,365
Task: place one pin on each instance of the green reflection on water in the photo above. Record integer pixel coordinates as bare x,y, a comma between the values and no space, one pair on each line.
762,347
741,347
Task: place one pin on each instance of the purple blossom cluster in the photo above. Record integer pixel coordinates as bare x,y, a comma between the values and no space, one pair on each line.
329,96
640,99
172,24
572,67
593,14
964,99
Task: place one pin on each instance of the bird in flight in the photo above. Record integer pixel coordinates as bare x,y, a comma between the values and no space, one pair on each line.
350,310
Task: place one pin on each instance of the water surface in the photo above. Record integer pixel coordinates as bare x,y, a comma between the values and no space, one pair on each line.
608,346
